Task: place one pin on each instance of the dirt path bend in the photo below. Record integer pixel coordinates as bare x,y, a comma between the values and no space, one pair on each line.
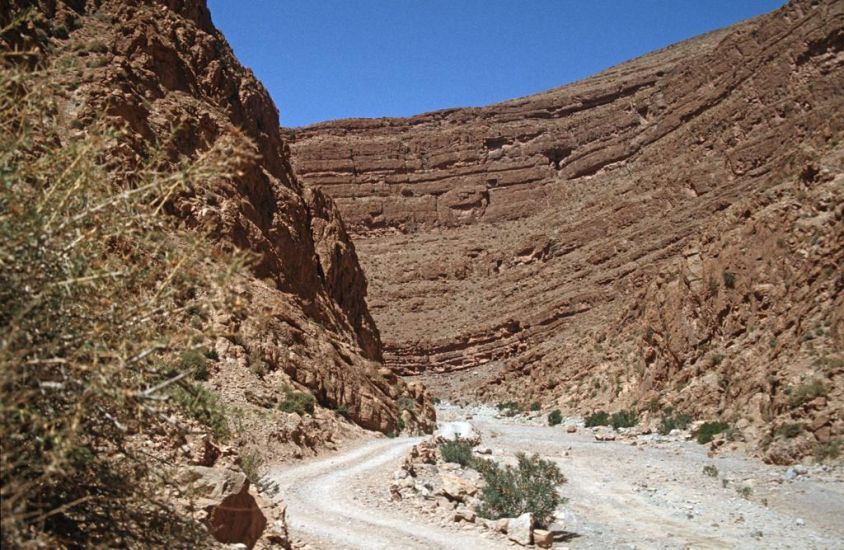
343,502
644,492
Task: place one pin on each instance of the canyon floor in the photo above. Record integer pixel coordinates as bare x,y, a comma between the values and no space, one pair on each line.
646,491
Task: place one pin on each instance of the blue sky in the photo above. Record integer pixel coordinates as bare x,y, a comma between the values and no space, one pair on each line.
327,59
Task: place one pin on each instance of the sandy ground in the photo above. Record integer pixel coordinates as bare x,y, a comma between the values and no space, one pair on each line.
643,492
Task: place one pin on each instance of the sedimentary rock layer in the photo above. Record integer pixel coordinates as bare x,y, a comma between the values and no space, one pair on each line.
520,232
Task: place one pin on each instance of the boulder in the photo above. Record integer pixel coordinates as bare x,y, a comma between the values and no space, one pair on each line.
457,430
543,538
465,515
457,488
232,514
519,529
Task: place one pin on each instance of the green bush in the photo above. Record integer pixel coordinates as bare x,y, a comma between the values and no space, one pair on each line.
710,470
600,418
729,279
709,430
195,362
673,422
828,451
297,402
250,463
457,450
555,417
806,392
790,430
510,491
535,406
510,408
623,419
203,406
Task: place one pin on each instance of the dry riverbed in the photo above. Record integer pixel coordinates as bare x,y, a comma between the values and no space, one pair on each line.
643,491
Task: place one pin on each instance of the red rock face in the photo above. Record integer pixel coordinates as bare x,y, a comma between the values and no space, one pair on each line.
521,232
161,73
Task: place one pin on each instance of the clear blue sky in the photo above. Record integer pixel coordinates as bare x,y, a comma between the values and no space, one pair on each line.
327,59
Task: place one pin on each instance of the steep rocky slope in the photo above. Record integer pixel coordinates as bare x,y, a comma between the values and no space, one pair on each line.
164,79
162,74
550,238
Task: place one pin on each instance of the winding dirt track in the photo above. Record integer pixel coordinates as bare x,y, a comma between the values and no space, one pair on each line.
641,493
331,503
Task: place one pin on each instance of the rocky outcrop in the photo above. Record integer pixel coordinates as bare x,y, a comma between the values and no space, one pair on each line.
166,78
517,233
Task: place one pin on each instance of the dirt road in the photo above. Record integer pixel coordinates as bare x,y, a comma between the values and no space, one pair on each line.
653,494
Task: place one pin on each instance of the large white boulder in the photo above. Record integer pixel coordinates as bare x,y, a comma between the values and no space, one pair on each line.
520,529
458,430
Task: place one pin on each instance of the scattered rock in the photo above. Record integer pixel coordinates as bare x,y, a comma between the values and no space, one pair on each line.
465,515
543,538
519,529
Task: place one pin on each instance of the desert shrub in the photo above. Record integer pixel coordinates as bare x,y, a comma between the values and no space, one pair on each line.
828,451
806,392
406,404
744,491
256,363
530,486
789,430
436,400
673,422
535,406
457,450
297,402
600,418
95,284
729,279
250,463
710,470
342,410
709,430
194,362
510,408
202,405
623,419
555,417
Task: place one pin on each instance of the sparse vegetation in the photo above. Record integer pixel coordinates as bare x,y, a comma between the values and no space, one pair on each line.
806,392
789,430
194,362
729,279
829,451
623,419
95,286
535,406
457,450
744,491
709,430
600,418
510,408
250,463
673,422
555,417
297,402
531,486
710,470
203,406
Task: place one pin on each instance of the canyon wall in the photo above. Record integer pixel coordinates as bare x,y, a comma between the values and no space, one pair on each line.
165,79
514,239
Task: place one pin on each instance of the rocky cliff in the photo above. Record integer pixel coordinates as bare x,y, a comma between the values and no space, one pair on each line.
509,239
298,363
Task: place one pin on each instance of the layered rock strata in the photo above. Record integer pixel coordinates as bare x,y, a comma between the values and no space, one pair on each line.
511,232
